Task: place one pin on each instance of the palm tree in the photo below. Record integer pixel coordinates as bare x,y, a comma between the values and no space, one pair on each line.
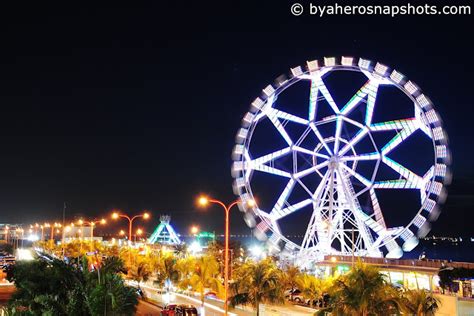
181,250
205,275
419,303
311,287
257,283
290,278
167,272
53,287
141,272
363,291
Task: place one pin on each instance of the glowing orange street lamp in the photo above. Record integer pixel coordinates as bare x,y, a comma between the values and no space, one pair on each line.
194,230
53,226
139,233
7,231
204,201
92,225
116,215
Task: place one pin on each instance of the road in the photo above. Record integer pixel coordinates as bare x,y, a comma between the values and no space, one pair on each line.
215,307
147,309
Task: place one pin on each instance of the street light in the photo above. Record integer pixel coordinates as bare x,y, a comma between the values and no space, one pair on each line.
194,230
53,226
204,201
116,215
92,225
139,233
7,231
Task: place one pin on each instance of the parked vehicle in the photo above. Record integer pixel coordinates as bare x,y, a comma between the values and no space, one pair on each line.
295,296
212,295
186,310
6,261
169,310
140,293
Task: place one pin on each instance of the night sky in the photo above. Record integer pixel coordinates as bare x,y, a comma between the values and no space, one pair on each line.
136,107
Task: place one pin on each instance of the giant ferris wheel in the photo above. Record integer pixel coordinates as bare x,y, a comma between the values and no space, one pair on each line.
338,161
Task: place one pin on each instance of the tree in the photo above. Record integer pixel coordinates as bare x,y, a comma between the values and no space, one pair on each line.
205,275
181,250
290,278
363,291
419,303
141,272
167,270
53,287
8,248
257,282
311,287
447,275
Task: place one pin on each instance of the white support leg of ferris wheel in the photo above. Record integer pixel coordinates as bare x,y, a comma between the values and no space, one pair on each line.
364,223
336,214
316,234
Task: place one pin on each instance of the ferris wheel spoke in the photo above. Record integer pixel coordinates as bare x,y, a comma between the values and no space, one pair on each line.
423,123
337,135
313,97
359,177
310,170
409,175
268,157
326,94
405,128
276,211
369,156
271,170
286,116
309,152
376,207
397,140
409,123
273,117
320,137
290,209
396,184
371,97
368,89
356,139
248,171
276,122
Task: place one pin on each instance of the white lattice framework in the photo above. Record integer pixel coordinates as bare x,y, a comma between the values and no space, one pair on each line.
164,233
338,223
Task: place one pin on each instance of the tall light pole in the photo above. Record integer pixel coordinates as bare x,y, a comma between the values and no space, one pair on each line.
116,215
7,231
92,225
203,201
54,226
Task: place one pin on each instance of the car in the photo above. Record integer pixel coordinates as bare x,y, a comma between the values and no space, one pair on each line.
140,293
186,310
169,310
295,296
316,303
212,295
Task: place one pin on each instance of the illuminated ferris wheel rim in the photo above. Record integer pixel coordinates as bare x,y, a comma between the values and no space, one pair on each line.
426,119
